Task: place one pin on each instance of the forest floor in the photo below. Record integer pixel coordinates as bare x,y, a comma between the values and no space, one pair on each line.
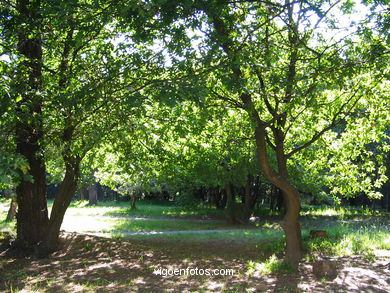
93,264
354,257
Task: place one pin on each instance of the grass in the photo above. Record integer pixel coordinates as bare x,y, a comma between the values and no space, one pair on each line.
164,225
7,226
270,266
346,240
145,208
340,212
350,230
264,237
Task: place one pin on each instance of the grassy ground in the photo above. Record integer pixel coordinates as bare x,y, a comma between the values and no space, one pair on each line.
145,208
358,241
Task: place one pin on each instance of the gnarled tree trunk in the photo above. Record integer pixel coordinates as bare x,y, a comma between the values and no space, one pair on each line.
291,197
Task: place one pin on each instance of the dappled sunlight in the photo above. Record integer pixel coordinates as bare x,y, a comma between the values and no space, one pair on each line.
123,262
90,264
340,212
86,224
351,279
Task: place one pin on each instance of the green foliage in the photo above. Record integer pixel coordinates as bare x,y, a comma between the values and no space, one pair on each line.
150,96
274,246
187,199
88,246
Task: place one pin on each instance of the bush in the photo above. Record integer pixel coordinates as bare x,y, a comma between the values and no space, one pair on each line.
186,199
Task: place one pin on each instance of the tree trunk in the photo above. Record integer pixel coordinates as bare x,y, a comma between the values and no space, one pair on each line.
83,191
290,193
250,200
12,208
62,200
229,194
291,198
92,194
133,201
386,187
32,216
229,203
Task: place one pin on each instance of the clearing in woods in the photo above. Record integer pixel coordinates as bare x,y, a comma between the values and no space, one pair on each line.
353,257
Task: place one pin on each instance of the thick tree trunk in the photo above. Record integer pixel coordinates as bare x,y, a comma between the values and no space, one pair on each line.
12,208
92,194
63,198
32,216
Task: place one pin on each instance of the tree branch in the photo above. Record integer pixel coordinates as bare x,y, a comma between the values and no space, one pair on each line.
335,121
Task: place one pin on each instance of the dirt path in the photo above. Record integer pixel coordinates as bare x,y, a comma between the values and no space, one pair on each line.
135,218
126,233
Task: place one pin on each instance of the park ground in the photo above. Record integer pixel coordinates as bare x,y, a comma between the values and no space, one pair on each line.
110,248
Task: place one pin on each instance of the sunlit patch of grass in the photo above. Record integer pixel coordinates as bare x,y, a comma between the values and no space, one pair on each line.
145,208
8,227
152,209
164,225
340,212
79,204
261,237
270,266
4,206
107,224
344,240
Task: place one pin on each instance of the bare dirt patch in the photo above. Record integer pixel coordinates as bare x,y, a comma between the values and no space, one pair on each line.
94,264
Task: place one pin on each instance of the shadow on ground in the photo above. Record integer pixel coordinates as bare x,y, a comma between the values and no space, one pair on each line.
94,264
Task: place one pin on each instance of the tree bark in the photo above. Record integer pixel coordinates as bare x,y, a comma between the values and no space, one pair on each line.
92,194
250,200
32,216
63,198
229,203
229,194
133,198
291,197
82,193
12,208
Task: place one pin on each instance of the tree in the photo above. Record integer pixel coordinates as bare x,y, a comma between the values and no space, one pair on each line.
277,62
12,208
82,80
25,87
